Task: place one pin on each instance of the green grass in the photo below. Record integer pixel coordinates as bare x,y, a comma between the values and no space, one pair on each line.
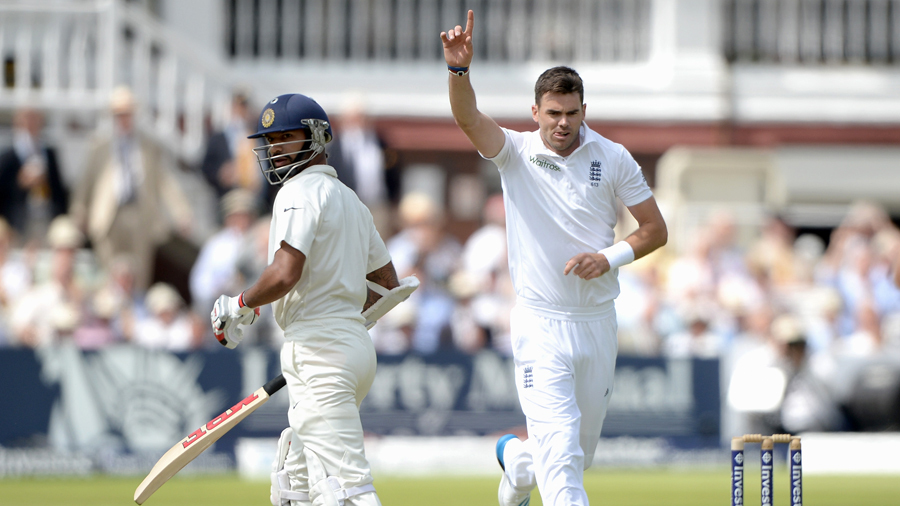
605,487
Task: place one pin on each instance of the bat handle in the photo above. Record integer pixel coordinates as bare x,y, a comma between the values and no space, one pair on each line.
275,384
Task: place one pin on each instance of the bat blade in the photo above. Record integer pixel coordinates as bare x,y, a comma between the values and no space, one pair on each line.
198,441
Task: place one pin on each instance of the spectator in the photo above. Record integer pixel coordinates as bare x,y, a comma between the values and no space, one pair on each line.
433,311
216,268
423,240
468,334
885,245
866,339
130,301
64,320
725,257
97,329
229,162
253,257
484,266
754,324
737,289
690,277
128,200
491,308
808,252
737,294
853,279
485,251
363,163
33,317
771,256
822,325
808,405
639,307
15,279
169,326
861,224
754,376
393,335
857,264
32,190
252,260
697,340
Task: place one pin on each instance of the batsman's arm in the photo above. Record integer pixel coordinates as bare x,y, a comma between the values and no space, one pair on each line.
385,276
482,131
278,277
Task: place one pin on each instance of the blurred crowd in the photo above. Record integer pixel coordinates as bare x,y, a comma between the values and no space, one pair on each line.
798,321
782,311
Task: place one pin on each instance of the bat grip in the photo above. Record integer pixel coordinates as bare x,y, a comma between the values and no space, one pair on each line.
275,384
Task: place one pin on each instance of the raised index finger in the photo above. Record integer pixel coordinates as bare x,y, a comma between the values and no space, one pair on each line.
470,22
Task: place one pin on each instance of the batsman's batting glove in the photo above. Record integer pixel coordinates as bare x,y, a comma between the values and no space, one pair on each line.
227,314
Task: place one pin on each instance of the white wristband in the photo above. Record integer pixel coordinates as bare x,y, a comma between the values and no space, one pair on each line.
619,254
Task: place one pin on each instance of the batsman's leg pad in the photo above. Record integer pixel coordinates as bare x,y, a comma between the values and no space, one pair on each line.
280,492
326,490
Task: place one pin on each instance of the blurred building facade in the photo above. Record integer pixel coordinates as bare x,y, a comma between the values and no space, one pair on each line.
658,73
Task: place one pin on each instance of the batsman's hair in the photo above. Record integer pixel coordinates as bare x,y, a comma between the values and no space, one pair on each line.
563,80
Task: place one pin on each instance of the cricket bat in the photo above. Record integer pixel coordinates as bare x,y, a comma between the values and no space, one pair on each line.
198,441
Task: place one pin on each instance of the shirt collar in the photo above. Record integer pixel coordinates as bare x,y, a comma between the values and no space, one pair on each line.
585,136
324,169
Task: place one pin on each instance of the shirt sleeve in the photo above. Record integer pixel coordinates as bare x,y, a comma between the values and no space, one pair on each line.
507,151
378,252
297,218
631,186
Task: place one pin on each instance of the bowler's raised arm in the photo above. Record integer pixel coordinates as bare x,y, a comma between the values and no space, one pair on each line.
482,131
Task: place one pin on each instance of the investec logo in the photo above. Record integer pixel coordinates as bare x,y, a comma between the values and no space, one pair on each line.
796,490
544,163
737,479
766,478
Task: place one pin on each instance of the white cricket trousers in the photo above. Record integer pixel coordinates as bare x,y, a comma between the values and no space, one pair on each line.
564,376
329,370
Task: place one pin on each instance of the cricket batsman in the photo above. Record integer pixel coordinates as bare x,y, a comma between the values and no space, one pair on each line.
326,263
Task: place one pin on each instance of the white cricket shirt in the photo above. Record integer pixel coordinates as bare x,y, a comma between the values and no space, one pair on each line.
557,207
317,214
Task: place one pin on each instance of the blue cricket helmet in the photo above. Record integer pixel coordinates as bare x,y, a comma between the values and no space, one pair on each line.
286,113
290,112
